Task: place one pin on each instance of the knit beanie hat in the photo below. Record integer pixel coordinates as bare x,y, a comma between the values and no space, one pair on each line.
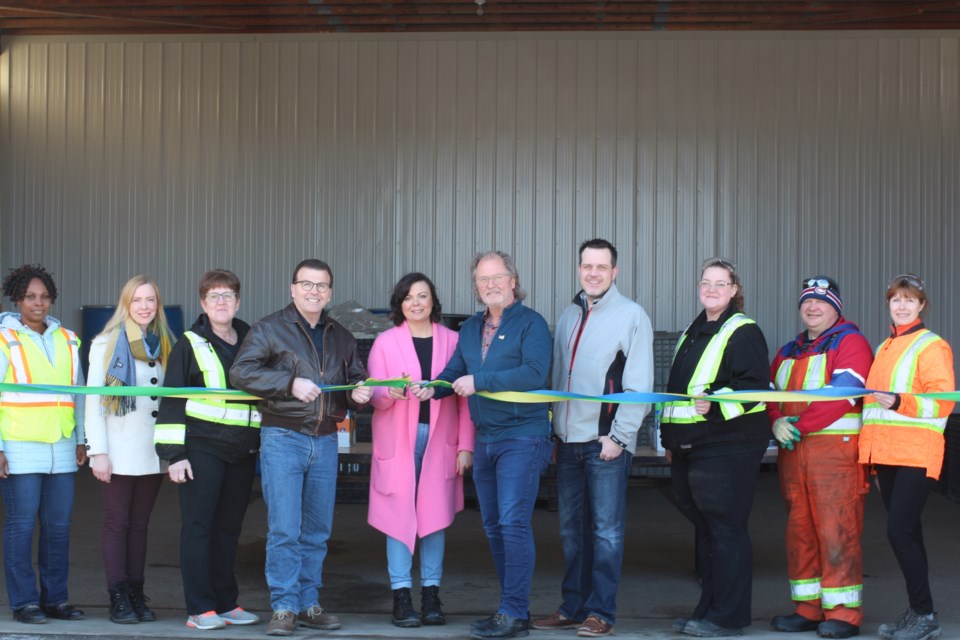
822,288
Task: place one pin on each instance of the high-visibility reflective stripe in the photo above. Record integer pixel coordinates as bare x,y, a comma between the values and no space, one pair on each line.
218,411
906,367
56,402
805,589
816,378
213,375
848,425
241,415
169,434
678,412
705,374
14,351
927,407
875,414
834,597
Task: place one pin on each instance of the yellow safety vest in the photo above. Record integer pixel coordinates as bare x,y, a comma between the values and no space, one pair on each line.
38,417
235,414
684,411
816,378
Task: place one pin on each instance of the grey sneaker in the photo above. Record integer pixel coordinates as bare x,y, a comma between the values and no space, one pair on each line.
886,631
920,628
282,623
315,618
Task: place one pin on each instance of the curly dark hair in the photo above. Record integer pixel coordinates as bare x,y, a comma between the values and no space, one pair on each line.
16,283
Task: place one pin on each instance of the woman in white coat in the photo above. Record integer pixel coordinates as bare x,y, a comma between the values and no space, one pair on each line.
131,351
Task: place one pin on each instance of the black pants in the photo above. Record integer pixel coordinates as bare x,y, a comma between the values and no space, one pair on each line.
904,491
716,495
212,506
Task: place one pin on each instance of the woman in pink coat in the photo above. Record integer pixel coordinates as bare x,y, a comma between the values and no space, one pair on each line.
421,448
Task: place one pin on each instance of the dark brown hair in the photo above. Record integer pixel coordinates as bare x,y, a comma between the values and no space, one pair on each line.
219,278
400,291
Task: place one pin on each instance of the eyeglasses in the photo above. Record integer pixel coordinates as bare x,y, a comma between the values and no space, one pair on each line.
306,285
706,284
496,279
227,296
907,278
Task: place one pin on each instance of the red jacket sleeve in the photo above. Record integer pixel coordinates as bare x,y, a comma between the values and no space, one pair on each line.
851,362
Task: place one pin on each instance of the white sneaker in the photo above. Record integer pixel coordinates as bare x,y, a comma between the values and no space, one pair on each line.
240,616
206,621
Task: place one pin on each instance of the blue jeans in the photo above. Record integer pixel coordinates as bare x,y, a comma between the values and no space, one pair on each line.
399,558
299,478
592,500
506,475
26,497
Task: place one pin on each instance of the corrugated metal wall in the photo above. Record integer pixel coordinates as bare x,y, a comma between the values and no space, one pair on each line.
793,154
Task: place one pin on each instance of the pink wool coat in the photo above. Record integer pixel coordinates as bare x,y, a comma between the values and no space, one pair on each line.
392,482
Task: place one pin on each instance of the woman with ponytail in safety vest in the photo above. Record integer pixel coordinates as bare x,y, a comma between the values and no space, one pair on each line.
41,446
131,351
715,448
902,439
211,445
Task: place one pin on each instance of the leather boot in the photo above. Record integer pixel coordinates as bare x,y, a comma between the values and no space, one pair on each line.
121,611
403,613
430,606
139,603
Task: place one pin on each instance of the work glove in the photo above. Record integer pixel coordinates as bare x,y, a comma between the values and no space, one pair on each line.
785,433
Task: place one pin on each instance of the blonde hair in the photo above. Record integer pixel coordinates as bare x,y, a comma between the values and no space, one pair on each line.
157,326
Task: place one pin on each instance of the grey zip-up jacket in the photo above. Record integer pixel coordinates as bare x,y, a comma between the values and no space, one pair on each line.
606,347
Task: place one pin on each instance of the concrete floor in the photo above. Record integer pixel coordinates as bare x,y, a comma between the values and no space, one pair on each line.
658,582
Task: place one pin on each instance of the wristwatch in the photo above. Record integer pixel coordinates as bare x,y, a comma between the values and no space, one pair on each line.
616,441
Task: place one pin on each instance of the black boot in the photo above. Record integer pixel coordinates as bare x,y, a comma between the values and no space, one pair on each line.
121,611
403,613
430,606
139,603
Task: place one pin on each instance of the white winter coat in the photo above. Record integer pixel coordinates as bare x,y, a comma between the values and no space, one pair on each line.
128,440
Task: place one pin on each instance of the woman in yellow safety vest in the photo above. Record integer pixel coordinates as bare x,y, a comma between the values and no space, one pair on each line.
716,447
902,438
211,445
41,446
131,351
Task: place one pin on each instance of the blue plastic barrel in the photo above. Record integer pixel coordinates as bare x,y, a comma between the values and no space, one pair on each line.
94,317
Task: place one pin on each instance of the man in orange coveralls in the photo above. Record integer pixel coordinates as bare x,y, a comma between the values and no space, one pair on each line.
820,476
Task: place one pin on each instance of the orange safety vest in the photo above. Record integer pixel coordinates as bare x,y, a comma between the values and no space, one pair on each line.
911,436
38,417
811,373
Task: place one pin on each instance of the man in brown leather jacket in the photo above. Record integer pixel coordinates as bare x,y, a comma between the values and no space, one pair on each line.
284,359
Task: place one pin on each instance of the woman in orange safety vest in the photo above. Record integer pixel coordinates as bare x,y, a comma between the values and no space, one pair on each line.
902,439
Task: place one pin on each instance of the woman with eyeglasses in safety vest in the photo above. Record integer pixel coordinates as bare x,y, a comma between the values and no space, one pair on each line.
716,448
211,445
902,440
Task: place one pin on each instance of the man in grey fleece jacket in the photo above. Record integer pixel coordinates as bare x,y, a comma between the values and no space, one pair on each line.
603,344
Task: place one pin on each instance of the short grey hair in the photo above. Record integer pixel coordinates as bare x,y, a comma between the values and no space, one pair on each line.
508,263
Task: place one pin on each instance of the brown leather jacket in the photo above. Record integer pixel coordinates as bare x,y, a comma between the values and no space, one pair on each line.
278,349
